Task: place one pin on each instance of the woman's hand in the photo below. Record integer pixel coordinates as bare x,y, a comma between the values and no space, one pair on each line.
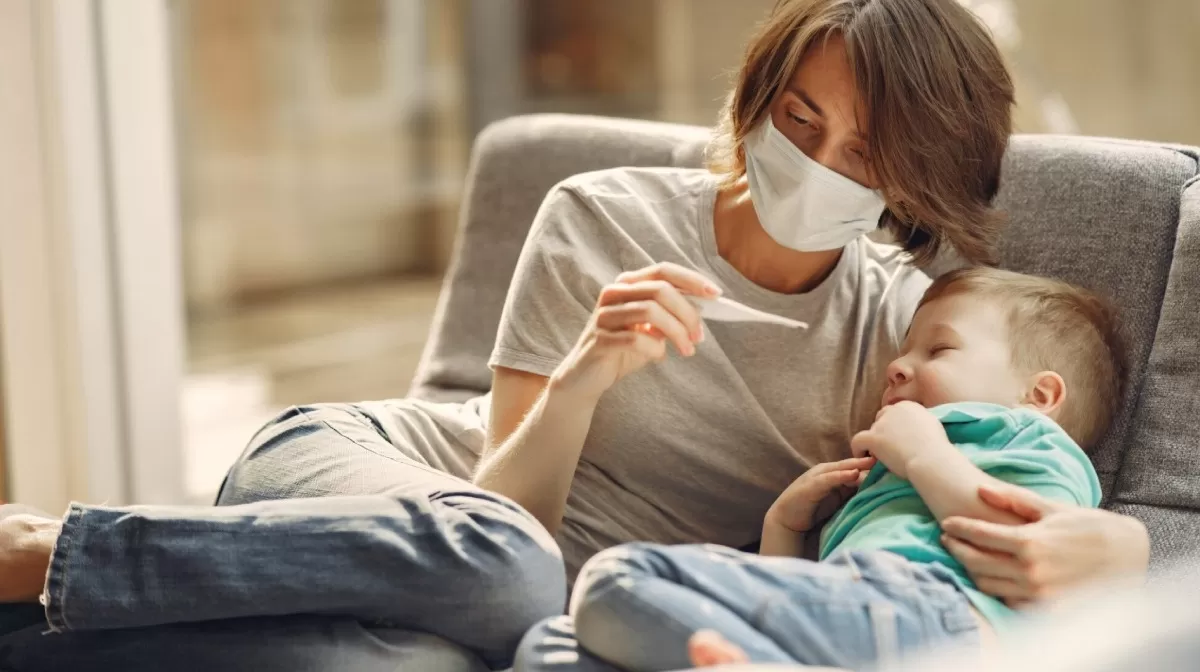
795,508
1061,547
633,320
538,427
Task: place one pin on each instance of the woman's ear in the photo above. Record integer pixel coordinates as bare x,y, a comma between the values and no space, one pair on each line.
1047,392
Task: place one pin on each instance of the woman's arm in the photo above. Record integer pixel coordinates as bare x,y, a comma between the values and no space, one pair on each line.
539,424
1060,547
535,437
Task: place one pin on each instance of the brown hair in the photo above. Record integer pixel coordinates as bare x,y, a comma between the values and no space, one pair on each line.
1056,327
938,102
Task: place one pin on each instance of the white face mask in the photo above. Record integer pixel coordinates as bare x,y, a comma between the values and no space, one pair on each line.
802,204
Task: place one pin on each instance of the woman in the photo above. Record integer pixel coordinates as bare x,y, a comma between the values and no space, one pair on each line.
848,115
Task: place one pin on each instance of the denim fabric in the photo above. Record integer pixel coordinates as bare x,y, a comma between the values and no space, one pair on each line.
551,646
18,616
433,553
636,606
285,644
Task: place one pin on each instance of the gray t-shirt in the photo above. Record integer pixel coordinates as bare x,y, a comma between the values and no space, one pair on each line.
696,450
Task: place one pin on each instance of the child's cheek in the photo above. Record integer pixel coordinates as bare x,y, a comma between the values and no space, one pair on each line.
940,389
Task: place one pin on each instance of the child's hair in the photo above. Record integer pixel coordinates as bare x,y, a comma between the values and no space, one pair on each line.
1056,327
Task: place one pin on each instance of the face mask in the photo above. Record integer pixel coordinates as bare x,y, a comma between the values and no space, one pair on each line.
802,204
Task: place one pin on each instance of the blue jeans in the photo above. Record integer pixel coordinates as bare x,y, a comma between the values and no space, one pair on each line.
365,531
636,606
291,643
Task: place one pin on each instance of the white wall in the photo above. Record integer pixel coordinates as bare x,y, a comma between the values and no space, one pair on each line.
91,318
1127,68
29,280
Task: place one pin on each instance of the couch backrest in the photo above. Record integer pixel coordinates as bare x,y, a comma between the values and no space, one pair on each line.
1159,477
1120,217
514,164
1101,214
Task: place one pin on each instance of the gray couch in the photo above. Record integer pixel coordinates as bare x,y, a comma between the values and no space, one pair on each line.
1117,216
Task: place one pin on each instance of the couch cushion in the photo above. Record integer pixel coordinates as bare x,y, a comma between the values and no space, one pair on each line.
1162,463
1174,534
514,164
1101,214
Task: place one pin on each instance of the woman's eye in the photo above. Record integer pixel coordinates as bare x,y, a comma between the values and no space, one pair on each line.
799,119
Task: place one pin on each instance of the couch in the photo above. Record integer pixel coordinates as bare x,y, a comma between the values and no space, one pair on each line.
1120,217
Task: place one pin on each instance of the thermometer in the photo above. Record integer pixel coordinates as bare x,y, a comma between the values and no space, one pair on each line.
722,309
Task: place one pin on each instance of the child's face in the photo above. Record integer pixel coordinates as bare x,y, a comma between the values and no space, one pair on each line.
957,349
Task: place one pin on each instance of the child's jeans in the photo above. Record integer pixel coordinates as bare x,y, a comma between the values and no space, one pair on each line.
636,606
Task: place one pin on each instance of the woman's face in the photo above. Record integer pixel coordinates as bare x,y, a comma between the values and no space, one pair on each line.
819,109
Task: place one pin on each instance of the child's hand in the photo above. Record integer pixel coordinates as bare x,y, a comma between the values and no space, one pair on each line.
901,432
794,509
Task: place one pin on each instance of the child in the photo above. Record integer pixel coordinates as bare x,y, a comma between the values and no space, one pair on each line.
1001,376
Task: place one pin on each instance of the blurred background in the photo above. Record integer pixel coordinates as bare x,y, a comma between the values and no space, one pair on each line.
220,208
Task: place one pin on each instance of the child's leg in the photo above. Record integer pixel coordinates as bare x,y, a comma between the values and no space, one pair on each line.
638,605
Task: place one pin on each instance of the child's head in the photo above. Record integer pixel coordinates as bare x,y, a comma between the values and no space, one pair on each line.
996,336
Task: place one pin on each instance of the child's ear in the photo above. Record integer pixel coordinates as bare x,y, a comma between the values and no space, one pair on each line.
1047,392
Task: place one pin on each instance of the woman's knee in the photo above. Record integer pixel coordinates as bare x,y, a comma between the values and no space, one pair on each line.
511,559
499,570
262,471
550,646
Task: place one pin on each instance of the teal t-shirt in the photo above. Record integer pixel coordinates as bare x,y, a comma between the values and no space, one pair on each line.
1015,445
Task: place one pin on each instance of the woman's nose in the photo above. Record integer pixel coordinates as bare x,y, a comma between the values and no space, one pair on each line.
825,154
829,154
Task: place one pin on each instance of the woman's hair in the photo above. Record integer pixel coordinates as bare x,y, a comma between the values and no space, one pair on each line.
938,101
1054,326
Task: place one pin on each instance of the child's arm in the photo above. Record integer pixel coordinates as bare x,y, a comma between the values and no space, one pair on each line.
791,516
778,539
912,444
949,484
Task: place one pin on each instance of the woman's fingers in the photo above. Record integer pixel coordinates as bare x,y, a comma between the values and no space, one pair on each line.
662,293
980,563
650,330
631,316
1021,501
1005,589
987,536
648,347
685,279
